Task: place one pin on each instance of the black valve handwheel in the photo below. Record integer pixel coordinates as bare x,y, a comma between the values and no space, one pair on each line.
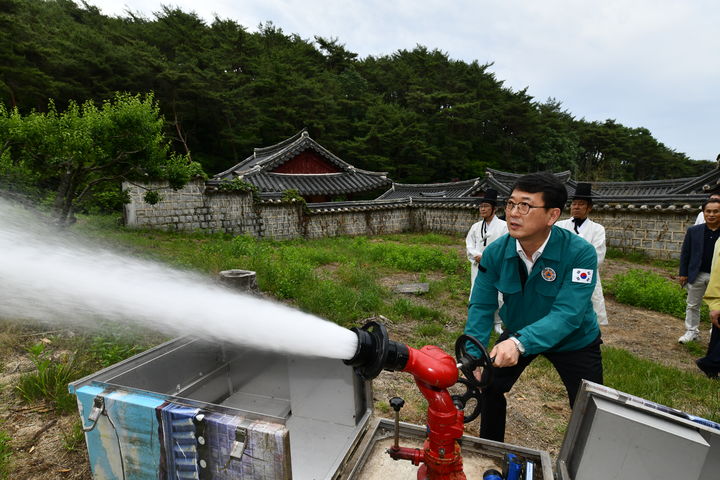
468,362
461,400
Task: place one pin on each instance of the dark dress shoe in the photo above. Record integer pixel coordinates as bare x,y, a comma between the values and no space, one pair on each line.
709,372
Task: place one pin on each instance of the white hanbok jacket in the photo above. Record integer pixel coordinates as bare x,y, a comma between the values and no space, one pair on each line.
481,235
595,234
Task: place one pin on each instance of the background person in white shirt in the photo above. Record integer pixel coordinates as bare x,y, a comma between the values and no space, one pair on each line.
482,234
580,208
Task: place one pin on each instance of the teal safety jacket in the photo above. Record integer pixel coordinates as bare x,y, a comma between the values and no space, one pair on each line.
553,310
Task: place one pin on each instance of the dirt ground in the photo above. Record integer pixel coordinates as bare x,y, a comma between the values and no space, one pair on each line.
537,414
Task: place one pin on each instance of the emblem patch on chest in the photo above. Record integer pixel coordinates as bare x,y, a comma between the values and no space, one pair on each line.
548,274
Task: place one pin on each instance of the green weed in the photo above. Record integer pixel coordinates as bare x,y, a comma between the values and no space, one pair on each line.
696,349
658,383
50,380
404,308
412,258
5,455
640,257
74,440
650,290
430,330
109,350
424,238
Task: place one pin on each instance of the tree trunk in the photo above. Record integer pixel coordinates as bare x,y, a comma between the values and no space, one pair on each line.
62,207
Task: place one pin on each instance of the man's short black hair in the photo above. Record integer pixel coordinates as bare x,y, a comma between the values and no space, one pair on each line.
709,200
554,193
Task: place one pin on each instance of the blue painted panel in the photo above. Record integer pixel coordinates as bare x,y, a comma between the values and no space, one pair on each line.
125,443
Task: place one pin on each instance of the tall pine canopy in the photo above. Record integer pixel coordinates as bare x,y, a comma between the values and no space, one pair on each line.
222,90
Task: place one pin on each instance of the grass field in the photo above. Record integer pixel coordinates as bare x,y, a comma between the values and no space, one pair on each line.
341,279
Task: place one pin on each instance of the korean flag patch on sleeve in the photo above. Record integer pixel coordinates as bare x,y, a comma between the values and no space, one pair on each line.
582,275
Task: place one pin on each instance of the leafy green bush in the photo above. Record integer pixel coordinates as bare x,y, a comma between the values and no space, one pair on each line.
152,197
50,380
649,290
237,185
5,454
111,199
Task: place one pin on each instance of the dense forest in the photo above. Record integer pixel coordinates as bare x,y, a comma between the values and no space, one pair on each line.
417,114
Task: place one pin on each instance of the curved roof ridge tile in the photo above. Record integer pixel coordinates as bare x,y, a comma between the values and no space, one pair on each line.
282,143
438,185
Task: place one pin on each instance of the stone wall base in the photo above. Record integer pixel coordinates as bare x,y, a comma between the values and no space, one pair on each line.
657,233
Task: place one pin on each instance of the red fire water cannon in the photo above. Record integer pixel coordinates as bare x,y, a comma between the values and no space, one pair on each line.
435,371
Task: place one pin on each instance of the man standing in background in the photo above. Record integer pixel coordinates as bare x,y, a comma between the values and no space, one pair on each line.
580,208
700,217
482,234
695,263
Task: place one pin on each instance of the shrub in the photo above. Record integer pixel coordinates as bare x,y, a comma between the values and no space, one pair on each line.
237,185
110,200
152,197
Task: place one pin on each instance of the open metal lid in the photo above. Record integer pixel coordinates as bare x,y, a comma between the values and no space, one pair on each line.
614,435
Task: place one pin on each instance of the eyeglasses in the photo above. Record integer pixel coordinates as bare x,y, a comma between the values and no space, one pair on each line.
522,207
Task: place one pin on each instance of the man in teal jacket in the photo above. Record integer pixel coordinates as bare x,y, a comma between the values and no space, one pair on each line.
546,276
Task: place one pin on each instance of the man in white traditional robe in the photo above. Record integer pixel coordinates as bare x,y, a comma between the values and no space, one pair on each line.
482,234
580,208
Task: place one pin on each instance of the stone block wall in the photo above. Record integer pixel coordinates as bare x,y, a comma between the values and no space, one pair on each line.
375,222
189,208
450,220
659,233
281,221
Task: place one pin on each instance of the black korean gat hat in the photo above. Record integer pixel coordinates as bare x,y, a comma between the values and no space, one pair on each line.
582,192
490,197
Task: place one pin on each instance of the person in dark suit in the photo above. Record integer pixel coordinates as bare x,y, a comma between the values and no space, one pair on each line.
695,264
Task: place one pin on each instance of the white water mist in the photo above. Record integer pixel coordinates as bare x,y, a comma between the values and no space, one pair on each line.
46,276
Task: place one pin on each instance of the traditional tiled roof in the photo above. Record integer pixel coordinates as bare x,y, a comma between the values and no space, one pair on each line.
257,169
500,181
369,205
464,188
671,194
